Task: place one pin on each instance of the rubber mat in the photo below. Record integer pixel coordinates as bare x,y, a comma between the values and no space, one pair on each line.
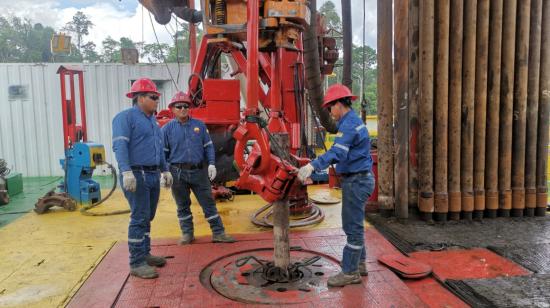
418,235
521,291
531,256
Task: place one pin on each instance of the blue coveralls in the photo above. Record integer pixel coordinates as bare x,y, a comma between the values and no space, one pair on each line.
137,143
187,147
351,153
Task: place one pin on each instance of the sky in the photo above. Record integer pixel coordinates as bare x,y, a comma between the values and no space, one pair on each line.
127,18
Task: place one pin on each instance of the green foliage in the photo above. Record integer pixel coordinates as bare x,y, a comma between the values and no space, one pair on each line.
111,50
21,41
79,26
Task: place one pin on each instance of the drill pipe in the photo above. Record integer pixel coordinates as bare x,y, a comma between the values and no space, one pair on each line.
385,106
532,108
467,132
455,97
544,112
480,114
520,108
493,106
413,102
425,109
441,201
506,107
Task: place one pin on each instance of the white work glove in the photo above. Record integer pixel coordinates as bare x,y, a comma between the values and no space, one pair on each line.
166,179
211,172
129,182
305,172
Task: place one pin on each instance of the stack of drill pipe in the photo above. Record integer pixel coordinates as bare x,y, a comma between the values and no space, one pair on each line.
455,100
413,101
544,112
441,204
468,87
532,108
493,106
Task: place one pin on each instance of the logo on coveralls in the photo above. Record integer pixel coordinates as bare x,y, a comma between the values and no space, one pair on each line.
196,130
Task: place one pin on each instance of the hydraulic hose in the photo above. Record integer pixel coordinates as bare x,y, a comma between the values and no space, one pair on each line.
84,210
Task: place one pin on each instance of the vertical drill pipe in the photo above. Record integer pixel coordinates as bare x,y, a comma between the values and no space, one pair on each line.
441,201
347,40
413,103
493,107
532,108
544,112
520,108
455,99
192,38
480,113
401,54
506,107
385,106
280,234
252,82
467,129
425,108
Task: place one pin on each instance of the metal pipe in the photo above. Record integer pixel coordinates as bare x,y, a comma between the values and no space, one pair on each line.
467,132
425,114
252,58
281,254
385,107
347,42
520,108
314,85
480,113
455,99
401,55
413,102
441,200
544,112
532,108
506,107
493,107
192,38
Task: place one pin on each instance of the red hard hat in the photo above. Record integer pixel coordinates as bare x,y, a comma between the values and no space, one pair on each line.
142,85
336,92
180,97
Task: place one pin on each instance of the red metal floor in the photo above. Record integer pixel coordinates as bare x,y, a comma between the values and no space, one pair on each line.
179,284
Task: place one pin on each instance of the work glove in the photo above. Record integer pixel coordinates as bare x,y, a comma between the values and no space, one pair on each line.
211,172
166,179
129,182
305,172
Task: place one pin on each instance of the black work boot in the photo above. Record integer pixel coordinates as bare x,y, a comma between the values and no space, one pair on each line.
363,269
223,238
155,261
144,271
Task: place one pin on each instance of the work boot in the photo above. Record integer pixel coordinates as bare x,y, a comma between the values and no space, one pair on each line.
186,239
341,279
144,271
363,269
223,238
155,261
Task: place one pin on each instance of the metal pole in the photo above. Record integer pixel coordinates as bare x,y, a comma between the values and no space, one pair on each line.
520,108
281,254
413,102
532,108
455,99
347,40
425,176
441,200
480,113
252,82
506,107
493,107
401,54
544,112
468,85
385,107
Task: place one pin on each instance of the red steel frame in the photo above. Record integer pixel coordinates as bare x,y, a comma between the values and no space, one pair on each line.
71,128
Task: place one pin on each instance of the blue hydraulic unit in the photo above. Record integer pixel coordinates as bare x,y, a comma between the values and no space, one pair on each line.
81,157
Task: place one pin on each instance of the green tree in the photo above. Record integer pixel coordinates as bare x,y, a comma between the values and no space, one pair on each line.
332,20
22,41
155,53
111,50
89,53
79,26
179,52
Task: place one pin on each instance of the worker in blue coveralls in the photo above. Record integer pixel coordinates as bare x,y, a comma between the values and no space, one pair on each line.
351,154
190,155
137,143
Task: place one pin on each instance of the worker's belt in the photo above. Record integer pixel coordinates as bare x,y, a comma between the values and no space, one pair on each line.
145,168
361,173
187,166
